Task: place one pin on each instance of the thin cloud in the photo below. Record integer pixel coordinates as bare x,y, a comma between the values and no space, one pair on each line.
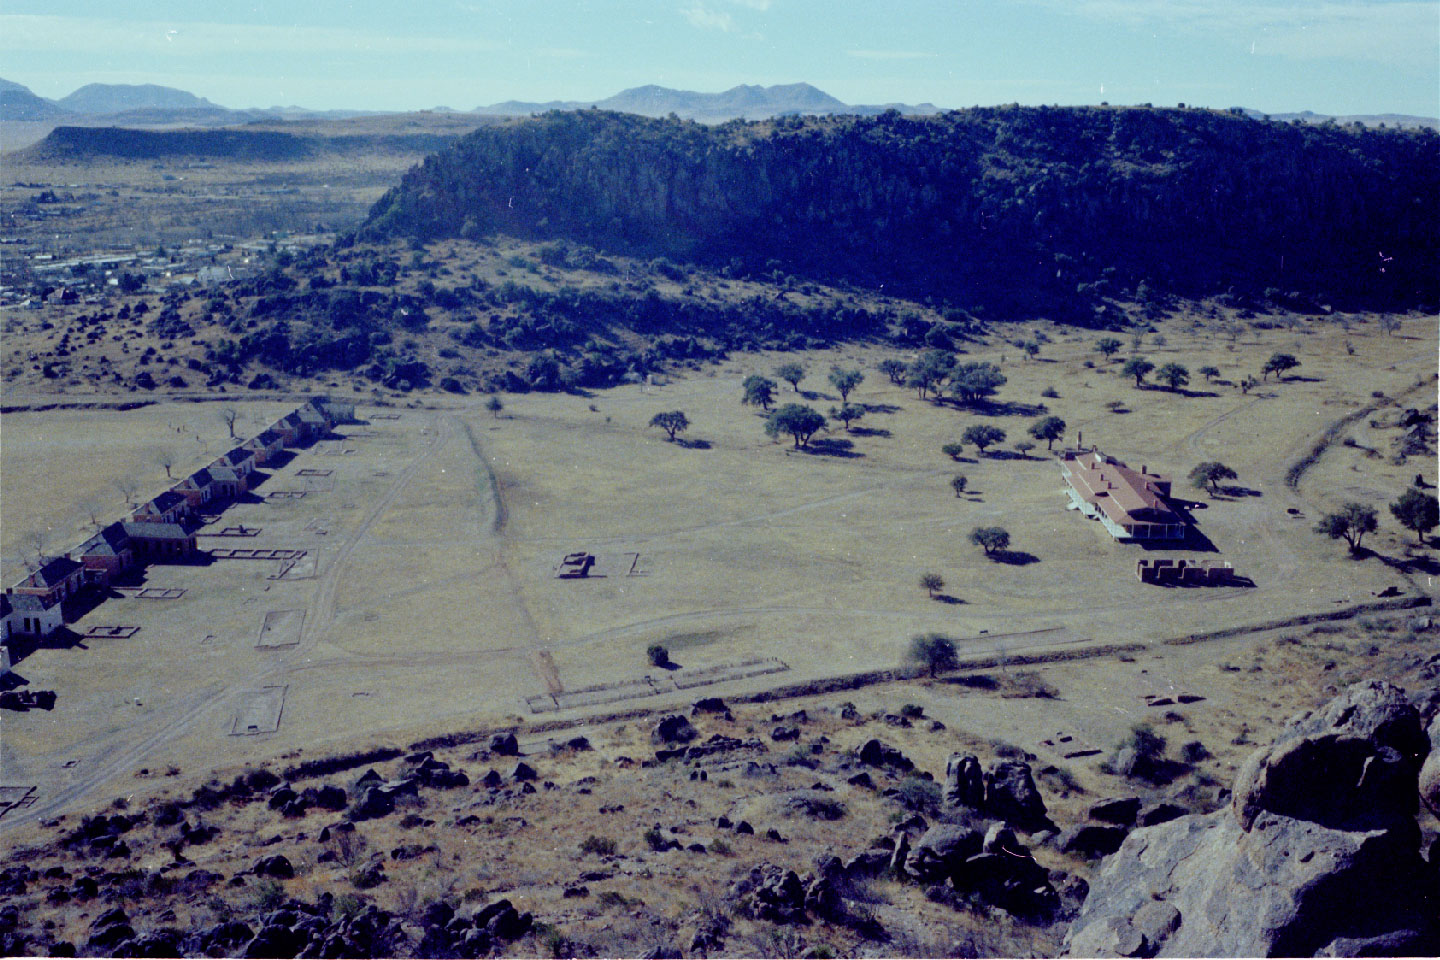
1404,32
705,18
889,54
97,35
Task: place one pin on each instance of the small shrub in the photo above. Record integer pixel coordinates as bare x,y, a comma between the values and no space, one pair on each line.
1050,393
348,905
912,711
655,839
719,846
1194,752
267,894
599,846
918,794
657,654
1059,780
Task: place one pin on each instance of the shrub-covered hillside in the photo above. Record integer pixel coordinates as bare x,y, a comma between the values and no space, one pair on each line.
1015,208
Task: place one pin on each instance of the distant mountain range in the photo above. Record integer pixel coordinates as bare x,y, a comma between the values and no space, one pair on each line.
150,104
744,102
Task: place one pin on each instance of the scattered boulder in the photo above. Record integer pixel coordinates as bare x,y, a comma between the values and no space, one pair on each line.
374,802
505,745
782,733
1090,840
277,866
964,783
673,728
1319,853
770,893
1117,810
1011,795
940,853
877,753
523,772
708,705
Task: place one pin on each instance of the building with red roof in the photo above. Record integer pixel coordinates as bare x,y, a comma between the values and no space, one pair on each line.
1132,504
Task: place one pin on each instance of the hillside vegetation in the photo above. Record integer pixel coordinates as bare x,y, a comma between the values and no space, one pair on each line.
1021,210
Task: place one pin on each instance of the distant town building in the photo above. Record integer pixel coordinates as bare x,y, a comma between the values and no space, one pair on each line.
1130,503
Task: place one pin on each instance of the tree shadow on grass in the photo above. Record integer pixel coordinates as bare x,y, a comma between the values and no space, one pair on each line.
881,408
1016,558
870,432
831,447
692,443
1237,491
946,598
1407,565
1005,408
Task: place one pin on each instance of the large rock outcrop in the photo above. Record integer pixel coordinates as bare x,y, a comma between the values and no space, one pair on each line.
1319,854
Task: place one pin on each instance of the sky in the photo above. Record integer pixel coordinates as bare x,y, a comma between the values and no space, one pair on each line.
1333,56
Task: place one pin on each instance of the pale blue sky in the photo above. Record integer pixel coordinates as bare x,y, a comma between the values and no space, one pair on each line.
1338,56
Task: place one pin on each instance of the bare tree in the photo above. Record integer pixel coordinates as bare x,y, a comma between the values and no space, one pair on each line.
166,459
127,489
92,510
229,415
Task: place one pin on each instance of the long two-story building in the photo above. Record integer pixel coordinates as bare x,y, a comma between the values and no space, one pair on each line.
1130,503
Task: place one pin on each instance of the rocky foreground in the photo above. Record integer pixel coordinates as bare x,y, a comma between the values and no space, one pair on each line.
729,831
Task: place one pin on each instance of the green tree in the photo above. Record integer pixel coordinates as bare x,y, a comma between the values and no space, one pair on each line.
847,413
1048,429
982,435
758,391
657,655
1108,347
1137,367
1209,373
845,381
1175,375
990,539
1389,324
971,382
1416,511
796,419
932,582
494,404
671,421
1024,447
933,652
958,483
1279,363
1208,475
1031,348
928,370
953,450
1351,522
893,369
791,373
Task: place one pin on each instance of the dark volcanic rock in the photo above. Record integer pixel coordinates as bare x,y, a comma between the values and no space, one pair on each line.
1117,810
1090,840
964,783
1011,795
1352,765
1318,855
878,753
1161,811
673,729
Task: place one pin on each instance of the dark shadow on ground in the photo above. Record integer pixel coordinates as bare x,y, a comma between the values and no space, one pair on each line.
692,444
1004,408
1407,565
870,432
1016,558
946,598
881,408
813,395
1236,492
62,639
831,447
12,680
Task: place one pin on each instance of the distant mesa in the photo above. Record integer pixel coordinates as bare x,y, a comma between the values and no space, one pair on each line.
105,98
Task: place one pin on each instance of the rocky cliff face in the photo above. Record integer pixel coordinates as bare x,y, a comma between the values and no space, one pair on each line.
1319,854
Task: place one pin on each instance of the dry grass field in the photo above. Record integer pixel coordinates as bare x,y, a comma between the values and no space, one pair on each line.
427,602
